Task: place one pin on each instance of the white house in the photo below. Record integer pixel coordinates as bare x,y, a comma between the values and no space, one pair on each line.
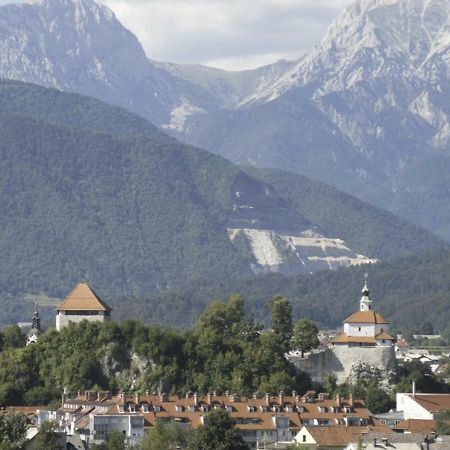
423,406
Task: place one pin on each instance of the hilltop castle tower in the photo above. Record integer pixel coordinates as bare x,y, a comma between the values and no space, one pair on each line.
82,304
365,341
365,328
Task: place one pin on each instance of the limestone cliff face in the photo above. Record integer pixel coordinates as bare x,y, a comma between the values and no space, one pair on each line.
276,238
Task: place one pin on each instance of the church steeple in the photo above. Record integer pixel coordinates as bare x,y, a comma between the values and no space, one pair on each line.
36,319
35,332
365,304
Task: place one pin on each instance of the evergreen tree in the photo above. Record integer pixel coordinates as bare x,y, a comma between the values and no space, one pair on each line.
282,321
305,336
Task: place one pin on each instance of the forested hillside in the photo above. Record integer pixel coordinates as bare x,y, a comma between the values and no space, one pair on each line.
91,192
408,292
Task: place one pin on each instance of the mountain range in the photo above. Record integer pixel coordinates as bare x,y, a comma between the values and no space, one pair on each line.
367,110
93,192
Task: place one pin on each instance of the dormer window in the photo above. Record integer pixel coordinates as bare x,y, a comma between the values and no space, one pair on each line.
263,409
157,408
121,409
289,409
251,409
229,408
276,409
191,408
132,408
179,409
205,408
145,408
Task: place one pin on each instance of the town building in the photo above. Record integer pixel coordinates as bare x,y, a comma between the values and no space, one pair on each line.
365,343
262,420
82,304
423,406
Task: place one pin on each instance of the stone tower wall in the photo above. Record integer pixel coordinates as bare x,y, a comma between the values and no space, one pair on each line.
340,359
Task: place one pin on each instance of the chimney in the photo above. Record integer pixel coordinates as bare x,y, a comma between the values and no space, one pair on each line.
78,393
137,399
122,396
338,400
255,396
294,394
351,401
195,399
147,393
267,399
209,396
281,398
414,389
63,398
214,393
99,397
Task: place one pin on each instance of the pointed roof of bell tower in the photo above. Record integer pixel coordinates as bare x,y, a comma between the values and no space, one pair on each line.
83,298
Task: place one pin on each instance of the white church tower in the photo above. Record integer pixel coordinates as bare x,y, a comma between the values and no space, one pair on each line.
365,328
365,304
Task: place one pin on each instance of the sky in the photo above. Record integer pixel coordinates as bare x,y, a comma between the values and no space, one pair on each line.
230,34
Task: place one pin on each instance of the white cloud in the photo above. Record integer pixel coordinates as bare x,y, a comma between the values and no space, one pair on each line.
232,34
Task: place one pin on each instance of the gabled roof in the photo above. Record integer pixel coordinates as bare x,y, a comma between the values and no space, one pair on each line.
417,426
83,298
433,402
385,336
340,436
366,317
344,339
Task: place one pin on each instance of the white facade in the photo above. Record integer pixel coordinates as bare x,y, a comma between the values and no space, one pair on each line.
63,318
411,409
365,329
131,426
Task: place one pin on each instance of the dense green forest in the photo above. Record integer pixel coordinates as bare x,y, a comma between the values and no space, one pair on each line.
408,292
91,192
225,350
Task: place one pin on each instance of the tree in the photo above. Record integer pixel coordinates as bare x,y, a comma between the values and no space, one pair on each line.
13,428
218,432
13,337
116,441
305,336
166,437
47,439
282,321
377,400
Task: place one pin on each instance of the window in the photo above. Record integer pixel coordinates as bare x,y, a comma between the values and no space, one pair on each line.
304,438
359,328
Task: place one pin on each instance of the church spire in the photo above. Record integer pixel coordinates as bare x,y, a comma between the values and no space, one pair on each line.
365,304
36,319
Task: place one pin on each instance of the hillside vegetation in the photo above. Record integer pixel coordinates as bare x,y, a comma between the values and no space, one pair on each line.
408,292
91,192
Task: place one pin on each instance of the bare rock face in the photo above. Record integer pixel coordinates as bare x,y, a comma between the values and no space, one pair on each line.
80,46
